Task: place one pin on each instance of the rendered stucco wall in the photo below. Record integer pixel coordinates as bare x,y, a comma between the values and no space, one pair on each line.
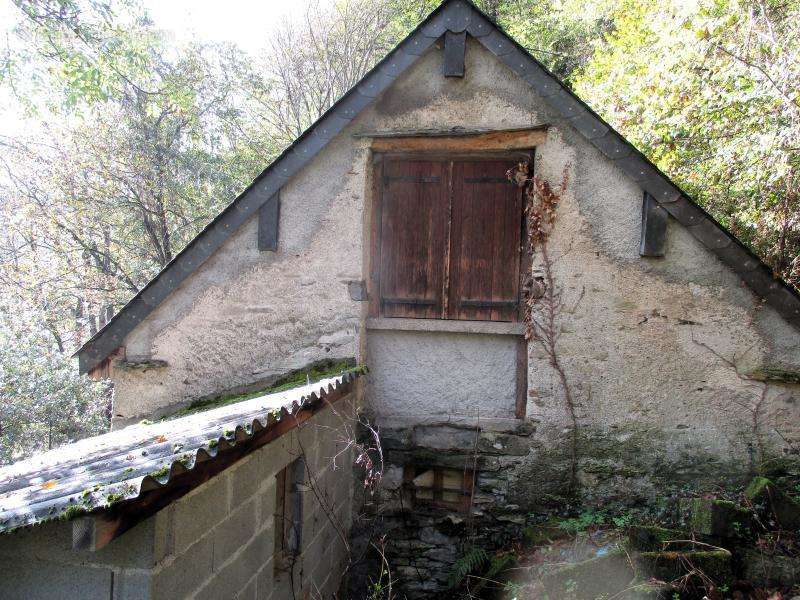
216,542
655,408
407,384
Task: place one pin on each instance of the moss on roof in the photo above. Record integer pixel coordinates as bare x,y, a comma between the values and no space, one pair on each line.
316,372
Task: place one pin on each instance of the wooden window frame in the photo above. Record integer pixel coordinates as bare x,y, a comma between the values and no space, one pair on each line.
288,514
374,258
410,472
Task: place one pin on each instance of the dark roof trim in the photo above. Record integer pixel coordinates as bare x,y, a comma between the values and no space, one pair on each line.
456,16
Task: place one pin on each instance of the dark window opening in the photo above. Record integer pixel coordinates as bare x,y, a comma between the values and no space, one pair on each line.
289,483
450,240
439,487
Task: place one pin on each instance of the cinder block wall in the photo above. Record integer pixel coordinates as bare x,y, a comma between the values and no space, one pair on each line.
215,543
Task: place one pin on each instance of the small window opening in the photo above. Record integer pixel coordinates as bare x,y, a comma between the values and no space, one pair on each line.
439,487
289,485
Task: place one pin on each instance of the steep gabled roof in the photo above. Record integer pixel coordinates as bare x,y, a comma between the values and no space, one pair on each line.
456,16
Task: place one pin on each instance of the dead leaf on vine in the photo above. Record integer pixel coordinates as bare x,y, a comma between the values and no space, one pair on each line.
49,485
161,439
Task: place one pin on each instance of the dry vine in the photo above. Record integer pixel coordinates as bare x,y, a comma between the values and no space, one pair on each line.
367,454
756,408
543,299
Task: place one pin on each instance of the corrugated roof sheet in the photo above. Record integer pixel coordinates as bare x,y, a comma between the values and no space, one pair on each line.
92,474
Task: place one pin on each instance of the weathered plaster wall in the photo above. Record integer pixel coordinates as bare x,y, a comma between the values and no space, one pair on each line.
246,316
655,408
407,383
216,542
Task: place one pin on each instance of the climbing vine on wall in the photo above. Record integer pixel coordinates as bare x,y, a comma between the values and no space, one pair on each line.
543,298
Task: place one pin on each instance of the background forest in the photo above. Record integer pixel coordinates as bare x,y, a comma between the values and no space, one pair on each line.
134,141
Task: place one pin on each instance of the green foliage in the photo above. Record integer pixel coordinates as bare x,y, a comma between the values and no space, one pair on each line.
469,562
709,90
43,401
584,521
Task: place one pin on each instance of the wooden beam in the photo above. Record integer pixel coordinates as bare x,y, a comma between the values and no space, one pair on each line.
93,532
455,47
654,228
492,141
521,405
268,221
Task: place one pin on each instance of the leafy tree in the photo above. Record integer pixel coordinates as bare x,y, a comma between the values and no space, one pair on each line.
710,92
43,401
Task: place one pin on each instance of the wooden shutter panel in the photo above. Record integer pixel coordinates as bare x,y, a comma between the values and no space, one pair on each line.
485,242
413,238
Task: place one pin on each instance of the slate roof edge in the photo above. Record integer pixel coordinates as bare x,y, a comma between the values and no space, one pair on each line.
452,15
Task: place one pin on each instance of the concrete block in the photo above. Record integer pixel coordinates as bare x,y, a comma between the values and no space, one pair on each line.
234,532
53,541
31,579
266,498
186,572
199,511
246,479
133,585
249,592
236,574
266,586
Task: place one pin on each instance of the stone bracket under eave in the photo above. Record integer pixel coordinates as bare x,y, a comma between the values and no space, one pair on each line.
455,47
268,221
654,228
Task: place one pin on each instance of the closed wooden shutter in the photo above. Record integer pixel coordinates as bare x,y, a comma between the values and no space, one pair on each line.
450,233
485,242
413,238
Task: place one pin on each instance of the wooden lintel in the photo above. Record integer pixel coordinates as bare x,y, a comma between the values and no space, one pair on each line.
455,48
654,228
93,532
491,141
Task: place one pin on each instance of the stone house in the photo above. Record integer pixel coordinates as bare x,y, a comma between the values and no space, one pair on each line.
390,235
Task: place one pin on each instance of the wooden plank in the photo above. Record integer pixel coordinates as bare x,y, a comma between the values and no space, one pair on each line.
374,257
447,132
654,228
485,254
492,141
268,222
521,404
455,49
413,231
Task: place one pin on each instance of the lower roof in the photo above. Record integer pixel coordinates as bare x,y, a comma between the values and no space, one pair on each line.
121,469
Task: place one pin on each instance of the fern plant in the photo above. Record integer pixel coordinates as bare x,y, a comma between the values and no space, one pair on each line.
468,563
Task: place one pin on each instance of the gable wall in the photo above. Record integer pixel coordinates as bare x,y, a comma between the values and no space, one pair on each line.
655,409
628,343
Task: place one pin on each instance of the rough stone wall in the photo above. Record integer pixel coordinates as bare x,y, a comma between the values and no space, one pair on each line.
216,542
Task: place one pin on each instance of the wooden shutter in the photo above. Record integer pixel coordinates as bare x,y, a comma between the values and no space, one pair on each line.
485,242
413,238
